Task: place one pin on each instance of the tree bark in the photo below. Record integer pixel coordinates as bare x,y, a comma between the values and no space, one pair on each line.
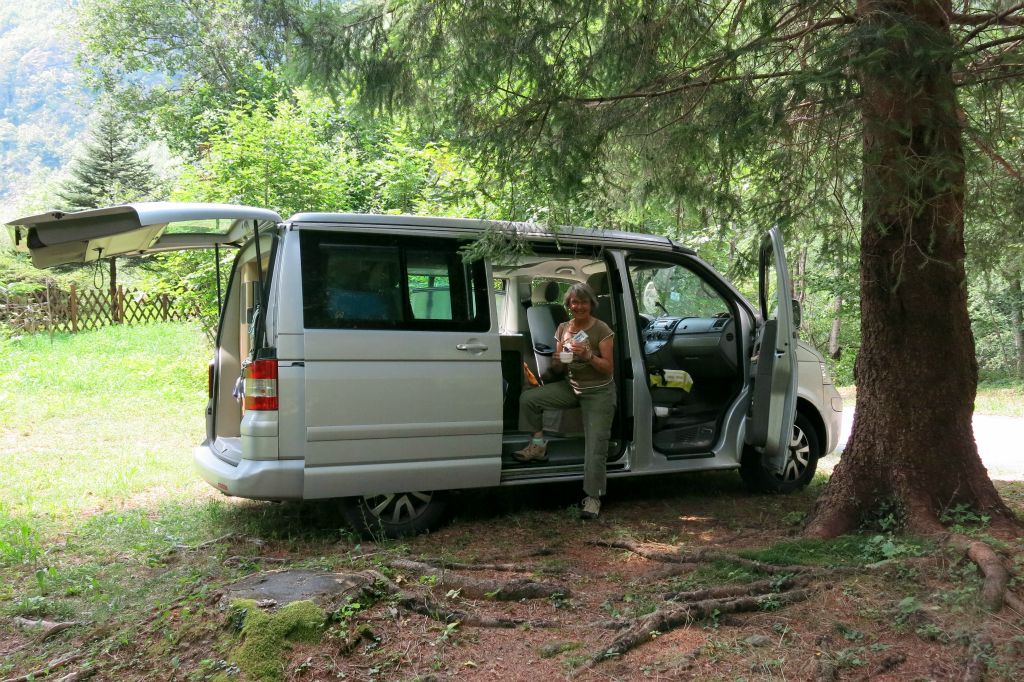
835,351
1017,323
912,442
115,308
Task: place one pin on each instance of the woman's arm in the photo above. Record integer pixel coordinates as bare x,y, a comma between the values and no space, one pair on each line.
605,362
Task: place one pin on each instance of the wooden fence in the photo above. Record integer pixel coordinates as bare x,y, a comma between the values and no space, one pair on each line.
57,310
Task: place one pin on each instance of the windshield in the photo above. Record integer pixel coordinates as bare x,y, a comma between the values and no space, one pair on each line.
667,289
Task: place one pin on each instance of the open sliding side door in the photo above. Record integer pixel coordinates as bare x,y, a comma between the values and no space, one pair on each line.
774,366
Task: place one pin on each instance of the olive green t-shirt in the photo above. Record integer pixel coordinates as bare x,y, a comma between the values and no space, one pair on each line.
582,375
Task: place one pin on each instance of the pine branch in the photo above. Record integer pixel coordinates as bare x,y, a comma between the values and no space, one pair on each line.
984,21
993,43
994,156
700,83
824,23
1018,73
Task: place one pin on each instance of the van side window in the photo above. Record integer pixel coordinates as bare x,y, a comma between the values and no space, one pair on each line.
386,282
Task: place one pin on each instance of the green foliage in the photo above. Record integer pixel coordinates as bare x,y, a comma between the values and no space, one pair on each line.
284,155
996,304
108,169
854,549
177,62
19,543
963,519
307,153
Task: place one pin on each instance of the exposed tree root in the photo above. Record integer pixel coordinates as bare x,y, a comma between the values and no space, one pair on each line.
49,628
459,566
733,591
1014,602
513,590
363,632
996,577
889,663
191,548
47,669
427,606
665,619
78,675
238,560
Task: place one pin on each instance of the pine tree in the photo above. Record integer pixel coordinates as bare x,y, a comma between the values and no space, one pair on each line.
106,172
109,169
758,112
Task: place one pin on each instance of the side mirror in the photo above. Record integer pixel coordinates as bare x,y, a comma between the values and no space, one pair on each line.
797,314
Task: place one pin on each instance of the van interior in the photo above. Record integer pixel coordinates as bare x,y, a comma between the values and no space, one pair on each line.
233,346
691,355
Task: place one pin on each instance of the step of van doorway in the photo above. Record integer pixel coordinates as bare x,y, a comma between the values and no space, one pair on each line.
563,450
687,437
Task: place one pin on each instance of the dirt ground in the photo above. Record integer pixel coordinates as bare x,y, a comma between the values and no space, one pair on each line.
900,609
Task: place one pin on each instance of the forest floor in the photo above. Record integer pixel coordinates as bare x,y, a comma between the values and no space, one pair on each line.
518,587
118,563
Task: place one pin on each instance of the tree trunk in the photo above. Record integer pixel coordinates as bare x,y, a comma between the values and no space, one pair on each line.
1017,322
115,308
835,351
801,277
912,442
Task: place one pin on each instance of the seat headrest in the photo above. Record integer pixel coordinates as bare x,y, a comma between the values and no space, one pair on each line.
599,283
544,292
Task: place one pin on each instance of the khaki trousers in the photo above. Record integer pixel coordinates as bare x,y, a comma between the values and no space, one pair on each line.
598,406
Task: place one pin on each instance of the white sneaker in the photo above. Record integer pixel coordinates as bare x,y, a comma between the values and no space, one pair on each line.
591,507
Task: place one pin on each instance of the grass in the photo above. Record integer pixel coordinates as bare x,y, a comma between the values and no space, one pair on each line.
1003,397
93,424
97,409
100,499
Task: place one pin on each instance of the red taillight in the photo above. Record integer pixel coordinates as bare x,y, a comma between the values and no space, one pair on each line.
261,385
209,380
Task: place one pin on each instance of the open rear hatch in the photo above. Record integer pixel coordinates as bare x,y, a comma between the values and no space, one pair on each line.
59,238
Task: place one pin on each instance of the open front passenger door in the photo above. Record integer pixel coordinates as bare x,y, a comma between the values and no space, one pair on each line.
774,366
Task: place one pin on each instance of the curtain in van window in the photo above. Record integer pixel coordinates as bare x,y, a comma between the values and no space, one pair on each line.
366,282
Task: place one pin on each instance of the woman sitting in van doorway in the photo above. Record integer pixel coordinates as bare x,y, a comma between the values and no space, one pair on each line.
583,346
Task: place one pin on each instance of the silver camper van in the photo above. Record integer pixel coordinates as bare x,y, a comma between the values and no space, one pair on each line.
361,357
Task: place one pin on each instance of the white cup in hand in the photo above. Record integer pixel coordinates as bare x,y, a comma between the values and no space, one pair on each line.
565,356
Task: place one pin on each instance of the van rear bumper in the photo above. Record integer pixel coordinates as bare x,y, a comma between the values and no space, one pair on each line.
252,479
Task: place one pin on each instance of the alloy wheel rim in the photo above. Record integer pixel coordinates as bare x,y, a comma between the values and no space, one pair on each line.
799,456
398,507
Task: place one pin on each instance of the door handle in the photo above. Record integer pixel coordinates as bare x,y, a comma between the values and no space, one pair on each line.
472,347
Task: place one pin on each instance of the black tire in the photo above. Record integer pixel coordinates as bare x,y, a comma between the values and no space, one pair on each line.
395,515
802,461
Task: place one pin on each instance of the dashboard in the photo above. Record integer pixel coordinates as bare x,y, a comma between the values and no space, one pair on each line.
703,346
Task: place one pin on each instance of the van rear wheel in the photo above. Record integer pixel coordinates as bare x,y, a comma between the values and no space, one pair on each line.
801,462
395,515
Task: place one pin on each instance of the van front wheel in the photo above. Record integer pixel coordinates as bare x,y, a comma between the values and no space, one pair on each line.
394,515
801,462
